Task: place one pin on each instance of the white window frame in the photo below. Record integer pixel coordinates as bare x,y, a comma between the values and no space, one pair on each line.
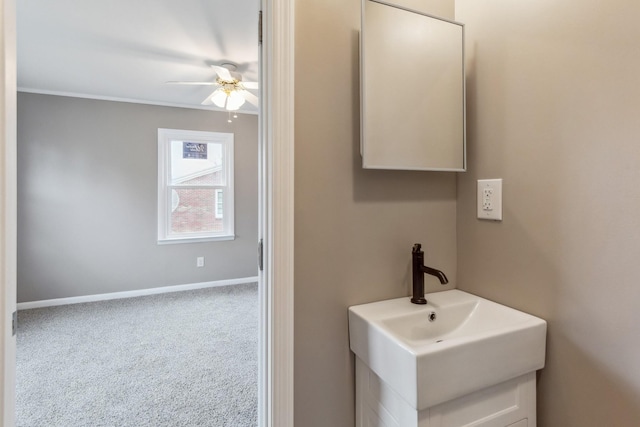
165,137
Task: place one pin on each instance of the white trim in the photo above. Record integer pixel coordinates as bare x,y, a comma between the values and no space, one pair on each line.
178,240
264,290
8,209
278,63
131,294
129,100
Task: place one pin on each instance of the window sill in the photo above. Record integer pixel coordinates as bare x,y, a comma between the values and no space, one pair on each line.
196,239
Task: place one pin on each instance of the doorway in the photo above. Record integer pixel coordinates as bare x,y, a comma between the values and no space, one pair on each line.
276,382
252,252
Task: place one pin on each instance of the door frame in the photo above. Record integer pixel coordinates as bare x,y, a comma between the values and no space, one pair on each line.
277,127
276,382
8,208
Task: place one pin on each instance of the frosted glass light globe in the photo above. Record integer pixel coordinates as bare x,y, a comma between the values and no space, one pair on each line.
235,101
219,98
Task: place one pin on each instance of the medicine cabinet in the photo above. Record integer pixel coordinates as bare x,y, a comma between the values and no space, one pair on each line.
412,90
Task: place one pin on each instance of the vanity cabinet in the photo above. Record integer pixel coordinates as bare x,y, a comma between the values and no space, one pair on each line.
508,404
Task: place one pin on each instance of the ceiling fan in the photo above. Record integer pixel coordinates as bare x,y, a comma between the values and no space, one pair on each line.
231,92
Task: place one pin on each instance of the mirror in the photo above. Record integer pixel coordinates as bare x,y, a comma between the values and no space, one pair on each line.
412,90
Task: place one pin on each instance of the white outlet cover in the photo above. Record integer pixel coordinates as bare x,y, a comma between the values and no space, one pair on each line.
489,200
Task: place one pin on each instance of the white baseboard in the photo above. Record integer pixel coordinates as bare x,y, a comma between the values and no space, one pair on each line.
129,294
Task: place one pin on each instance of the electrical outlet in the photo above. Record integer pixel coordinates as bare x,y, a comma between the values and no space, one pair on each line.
200,261
487,203
490,199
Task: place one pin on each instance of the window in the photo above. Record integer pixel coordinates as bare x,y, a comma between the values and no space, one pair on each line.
195,186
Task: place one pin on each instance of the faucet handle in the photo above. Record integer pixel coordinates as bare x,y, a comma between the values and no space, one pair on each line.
417,247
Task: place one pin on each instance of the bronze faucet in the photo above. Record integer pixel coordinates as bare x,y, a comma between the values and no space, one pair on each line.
419,269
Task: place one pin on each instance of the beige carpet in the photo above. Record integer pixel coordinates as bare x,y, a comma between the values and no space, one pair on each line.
179,359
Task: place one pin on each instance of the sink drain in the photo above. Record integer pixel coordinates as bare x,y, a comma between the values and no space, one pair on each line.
432,316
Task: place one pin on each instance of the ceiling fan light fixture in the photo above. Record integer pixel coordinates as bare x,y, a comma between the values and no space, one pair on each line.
219,98
235,101
232,92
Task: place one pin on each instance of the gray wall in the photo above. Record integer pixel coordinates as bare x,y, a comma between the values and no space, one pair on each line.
554,106
354,228
87,194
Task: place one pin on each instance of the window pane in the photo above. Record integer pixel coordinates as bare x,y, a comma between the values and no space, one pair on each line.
195,211
196,163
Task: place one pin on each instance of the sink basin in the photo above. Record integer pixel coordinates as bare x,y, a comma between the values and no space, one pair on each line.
454,345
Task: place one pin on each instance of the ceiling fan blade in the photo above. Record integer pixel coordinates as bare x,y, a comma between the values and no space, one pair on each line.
223,73
192,83
208,100
251,98
250,85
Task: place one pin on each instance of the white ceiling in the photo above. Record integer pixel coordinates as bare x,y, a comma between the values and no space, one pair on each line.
128,49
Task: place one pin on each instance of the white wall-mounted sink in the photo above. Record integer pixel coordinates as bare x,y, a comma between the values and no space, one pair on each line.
472,344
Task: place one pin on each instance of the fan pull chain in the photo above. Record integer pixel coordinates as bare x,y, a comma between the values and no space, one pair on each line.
235,116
